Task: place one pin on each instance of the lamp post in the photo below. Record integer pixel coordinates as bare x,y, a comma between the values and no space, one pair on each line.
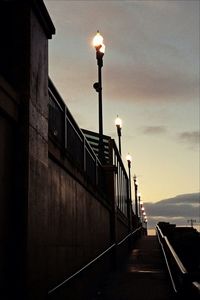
139,203
118,123
129,160
136,194
100,49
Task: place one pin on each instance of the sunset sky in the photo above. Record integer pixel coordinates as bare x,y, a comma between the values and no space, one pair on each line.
150,79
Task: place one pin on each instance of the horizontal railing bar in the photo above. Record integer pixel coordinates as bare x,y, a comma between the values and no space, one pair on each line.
175,256
75,128
123,240
196,285
180,265
82,269
55,94
177,259
95,134
165,256
93,261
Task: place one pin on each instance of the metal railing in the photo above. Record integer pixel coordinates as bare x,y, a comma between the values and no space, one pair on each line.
93,139
179,276
92,262
112,157
66,134
121,179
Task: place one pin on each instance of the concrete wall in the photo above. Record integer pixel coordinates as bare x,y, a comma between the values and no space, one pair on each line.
7,134
52,221
78,225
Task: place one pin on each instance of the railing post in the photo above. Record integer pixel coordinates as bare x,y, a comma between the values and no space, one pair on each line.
96,171
84,154
110,182
65,127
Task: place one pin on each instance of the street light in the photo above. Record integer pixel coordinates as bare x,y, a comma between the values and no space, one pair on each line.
129,160
100,49
139,203
118,123
136,194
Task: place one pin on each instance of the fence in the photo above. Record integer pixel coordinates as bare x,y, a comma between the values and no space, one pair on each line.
183,283
66,134
112,157
121,179
82,147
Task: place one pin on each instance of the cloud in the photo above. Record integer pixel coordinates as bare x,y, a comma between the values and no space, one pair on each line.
152,50
153,130
191,138
150,83
177,209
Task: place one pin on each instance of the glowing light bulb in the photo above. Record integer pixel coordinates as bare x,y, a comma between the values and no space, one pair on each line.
118,122
98,41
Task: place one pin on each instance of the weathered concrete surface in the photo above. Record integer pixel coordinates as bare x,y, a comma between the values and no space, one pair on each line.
51,221
142,277
24,155
78,225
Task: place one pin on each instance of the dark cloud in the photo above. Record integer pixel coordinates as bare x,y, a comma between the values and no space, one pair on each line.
177,209
154,130
150,82
152,49
191,138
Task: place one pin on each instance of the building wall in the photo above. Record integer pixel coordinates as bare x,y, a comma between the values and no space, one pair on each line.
52,221
78,225
7,134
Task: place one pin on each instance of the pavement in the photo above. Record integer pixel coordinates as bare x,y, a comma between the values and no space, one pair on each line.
142,277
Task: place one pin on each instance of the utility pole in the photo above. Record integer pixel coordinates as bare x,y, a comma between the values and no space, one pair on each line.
191,221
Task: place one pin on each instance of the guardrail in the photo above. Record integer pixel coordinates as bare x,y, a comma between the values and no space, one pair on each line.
66,134
93,139
81,147
180,278
85,268
121,179
113,158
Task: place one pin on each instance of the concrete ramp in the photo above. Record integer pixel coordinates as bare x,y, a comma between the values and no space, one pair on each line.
142,277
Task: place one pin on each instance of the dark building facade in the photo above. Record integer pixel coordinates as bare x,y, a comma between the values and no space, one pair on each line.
54,217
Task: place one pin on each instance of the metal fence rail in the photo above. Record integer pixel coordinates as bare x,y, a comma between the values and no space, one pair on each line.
112,157
66,134
93,139
82,147
131,235
121,179
180,278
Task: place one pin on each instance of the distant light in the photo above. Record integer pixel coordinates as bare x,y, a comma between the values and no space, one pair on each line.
129,158
118,122
98,42
143,208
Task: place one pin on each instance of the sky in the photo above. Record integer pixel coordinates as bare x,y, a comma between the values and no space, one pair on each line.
150,79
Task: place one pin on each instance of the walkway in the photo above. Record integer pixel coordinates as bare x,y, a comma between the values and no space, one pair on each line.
143,277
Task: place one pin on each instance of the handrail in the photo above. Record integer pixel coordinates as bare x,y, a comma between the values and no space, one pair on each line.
92,261
165,256
82,269
177,259
124,239
179,264
196,286
175,256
